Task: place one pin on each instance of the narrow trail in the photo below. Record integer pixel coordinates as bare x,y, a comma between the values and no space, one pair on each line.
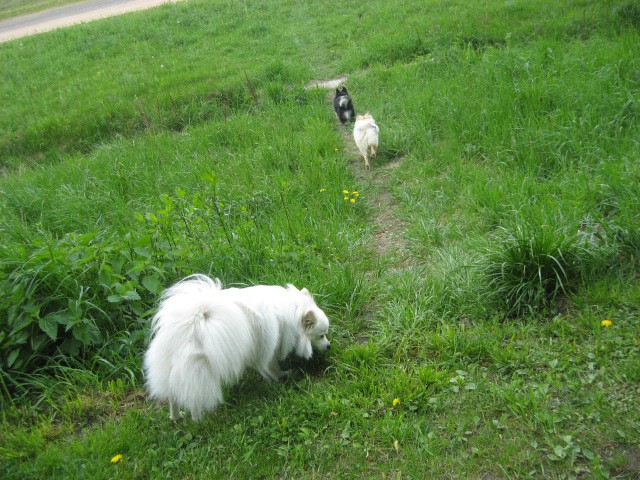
388,238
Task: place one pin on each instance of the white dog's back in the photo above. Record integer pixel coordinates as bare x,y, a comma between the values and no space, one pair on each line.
365,134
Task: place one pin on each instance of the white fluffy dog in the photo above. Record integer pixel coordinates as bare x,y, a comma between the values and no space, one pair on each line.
205,336
365,133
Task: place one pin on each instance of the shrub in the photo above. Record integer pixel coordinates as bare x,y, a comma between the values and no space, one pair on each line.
68,296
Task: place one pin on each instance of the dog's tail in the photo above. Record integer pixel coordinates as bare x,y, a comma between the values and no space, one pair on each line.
200,342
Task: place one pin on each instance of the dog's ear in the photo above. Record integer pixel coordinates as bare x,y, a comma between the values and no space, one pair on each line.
306,292
309,320
337,91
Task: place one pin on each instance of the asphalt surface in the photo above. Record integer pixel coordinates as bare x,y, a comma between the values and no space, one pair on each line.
72,14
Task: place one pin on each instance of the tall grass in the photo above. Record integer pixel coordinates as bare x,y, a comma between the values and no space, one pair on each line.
508,150
72,291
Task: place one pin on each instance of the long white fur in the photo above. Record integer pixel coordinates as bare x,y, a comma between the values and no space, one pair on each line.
205,337
365,134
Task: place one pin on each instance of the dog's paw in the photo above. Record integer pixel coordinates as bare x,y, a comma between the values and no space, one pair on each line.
174,417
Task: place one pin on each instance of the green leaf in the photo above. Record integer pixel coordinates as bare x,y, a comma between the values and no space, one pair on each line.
114,299
12,357
38,341
49,325
152,283
143,252
20,322
130,295
588,454
86,332
106,276
71,347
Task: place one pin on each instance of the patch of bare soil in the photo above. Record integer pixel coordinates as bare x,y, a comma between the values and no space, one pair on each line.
331,83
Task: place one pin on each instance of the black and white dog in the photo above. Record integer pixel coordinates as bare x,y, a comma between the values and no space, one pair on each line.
343,106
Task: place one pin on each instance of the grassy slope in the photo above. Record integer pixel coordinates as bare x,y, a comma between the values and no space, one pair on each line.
491,116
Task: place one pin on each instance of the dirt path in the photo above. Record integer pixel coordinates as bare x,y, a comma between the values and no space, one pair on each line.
388,236
67,15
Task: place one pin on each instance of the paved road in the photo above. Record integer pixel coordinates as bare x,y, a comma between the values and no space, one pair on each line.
70,14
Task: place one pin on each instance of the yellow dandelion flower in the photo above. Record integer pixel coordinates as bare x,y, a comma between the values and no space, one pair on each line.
606,323
323,190
116,459
355,194
346,192
352,200
396,402
346,199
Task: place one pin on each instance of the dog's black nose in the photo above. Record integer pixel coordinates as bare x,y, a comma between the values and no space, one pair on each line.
328,347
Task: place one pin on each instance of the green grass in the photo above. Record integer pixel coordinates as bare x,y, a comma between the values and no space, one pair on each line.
497,229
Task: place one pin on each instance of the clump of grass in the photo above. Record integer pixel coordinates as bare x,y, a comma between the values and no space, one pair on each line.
529,267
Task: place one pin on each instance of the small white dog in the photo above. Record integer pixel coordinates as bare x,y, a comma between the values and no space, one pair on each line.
205,336
365,133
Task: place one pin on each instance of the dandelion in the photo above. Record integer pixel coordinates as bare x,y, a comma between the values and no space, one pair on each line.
352,200
346,199
116,459
346,192
323,190
355,194
606,323
396,402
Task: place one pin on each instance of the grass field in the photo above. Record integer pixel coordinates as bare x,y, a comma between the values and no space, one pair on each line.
482,285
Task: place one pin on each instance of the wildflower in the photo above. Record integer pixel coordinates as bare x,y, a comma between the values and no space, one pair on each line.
352,200
346,192
606,323
346,199
323,190
396,445
396,402
355,194
116,459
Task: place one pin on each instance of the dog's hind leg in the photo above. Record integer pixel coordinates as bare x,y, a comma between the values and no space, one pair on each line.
273,371
196,414
174,410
